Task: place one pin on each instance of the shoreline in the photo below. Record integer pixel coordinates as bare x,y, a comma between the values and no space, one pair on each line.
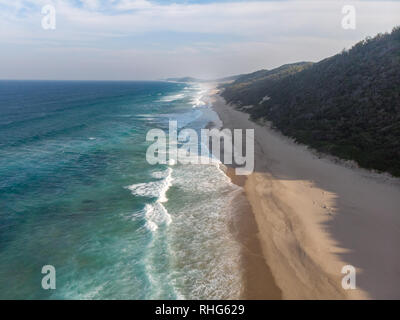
259,283
312,217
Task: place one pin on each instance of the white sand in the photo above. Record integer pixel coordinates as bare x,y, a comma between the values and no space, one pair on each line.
315,216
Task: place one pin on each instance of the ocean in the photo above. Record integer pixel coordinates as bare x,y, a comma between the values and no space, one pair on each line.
77,193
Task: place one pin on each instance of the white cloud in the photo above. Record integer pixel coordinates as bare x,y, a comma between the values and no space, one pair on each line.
91,4
251,34
133,4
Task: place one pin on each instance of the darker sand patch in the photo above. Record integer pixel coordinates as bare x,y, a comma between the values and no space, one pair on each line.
259,281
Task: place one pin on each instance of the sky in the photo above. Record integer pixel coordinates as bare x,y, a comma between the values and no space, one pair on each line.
146,40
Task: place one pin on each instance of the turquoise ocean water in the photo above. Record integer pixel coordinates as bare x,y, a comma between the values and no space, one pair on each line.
76,192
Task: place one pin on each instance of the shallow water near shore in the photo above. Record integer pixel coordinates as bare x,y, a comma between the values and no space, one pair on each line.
77,193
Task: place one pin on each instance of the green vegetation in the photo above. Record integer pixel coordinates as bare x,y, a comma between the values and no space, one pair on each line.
347,105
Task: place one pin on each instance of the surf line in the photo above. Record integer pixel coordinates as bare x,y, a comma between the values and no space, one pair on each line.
188,153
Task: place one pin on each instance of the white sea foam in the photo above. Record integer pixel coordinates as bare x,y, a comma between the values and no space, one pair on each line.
205,256
166,185
173,97
155,213
198,101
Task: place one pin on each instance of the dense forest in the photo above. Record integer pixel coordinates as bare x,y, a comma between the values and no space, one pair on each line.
347,105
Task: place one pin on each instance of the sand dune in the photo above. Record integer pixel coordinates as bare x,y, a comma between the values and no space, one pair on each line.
315,216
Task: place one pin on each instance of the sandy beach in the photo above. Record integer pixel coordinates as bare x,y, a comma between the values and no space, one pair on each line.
308,216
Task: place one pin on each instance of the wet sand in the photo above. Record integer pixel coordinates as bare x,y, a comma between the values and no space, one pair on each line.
259,282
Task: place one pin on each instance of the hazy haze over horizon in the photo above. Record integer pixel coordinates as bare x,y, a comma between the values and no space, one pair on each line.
141,39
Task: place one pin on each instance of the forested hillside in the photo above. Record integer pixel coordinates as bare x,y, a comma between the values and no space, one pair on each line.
347,105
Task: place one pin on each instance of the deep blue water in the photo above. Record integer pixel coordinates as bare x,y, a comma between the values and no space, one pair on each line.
77,193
